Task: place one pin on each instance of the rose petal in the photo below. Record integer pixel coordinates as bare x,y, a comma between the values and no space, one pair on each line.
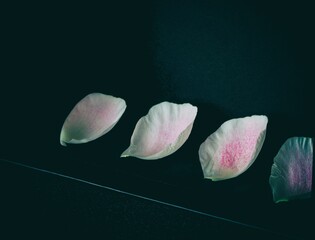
162,132
291,172
92,117
233,148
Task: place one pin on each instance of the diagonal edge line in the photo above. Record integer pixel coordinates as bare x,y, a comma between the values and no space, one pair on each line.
142,197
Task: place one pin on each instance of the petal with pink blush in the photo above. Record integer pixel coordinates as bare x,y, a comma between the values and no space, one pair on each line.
92,117
233,148
291,172
162,131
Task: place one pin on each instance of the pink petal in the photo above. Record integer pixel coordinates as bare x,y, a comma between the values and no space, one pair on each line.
92,117
233,148
291,172
162,132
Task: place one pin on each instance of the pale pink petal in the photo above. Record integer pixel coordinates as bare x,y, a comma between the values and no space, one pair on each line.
233,148
92,117
163,131
291,172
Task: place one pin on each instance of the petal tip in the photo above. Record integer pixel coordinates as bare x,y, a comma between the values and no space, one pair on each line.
125,154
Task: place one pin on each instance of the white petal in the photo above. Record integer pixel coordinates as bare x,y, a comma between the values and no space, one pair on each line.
92,117
163,131
291,172
232,149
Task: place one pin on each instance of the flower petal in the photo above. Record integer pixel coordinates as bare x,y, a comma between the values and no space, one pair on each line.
232,149
162,132
92,117
291,172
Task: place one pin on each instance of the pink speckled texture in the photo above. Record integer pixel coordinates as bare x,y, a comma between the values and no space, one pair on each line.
162,132
233,147
238,151
92,117
291,173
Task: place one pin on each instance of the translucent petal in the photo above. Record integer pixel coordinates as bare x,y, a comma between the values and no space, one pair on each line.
291,172
233,148
92,117
162,131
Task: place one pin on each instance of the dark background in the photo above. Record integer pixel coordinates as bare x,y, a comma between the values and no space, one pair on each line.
229,58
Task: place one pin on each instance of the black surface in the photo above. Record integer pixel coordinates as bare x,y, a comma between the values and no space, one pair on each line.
43,205
229,58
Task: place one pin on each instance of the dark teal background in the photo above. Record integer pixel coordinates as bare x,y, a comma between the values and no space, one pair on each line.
229,58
